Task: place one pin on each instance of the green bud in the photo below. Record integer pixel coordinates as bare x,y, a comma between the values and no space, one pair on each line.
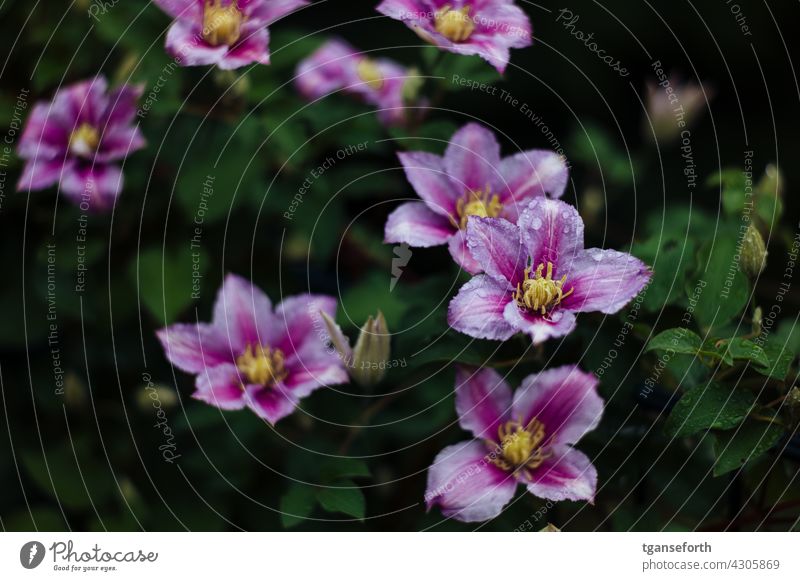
412,85
371,353
754,252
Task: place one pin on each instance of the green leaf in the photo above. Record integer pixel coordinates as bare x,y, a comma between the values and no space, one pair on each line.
297,504
337,468
708,406
349,500
735,448
678,340
779,359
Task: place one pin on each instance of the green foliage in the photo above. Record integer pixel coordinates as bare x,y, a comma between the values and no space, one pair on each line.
734,448
709,406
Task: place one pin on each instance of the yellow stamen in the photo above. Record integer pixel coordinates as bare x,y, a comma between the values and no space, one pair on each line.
222,25
455,25
520,448
539,293
84,140
261,365
482,204
369,72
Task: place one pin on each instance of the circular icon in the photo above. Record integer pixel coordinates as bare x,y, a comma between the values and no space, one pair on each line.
31,554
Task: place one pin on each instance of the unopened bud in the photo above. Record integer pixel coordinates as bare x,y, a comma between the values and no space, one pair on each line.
758,320
754,252
412,85
156,396
371,353
550,528
772,182
793,398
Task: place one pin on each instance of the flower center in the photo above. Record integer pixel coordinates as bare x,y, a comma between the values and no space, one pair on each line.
521,446
369,72
454,25
539,293
222,25
84,140
482,204
262,365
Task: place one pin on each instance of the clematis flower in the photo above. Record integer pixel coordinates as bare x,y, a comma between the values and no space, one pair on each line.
470,180
525,439
338,66
487,28
226,33
256,357
76,139
538,275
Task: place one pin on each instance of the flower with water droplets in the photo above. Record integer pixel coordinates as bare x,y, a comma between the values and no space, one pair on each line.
487,28
251,356
380,82
226,33
525,438
538,276
77,139
367,361
470,180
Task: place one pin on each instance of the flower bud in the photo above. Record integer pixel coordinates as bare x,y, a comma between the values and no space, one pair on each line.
371,352
673,104
550,528
754,252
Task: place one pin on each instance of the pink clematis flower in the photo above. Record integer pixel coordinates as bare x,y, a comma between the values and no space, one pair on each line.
487,28
470,180
251,356
76,139
525,440
226,33
538,275
338,66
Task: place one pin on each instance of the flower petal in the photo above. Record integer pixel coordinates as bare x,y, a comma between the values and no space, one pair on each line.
457,245
472,159
466,485
604,280
426,173
564,399
43,138
122,104
271,404
252,48
185,44
495,244
328,69
194,348
483,401
566,475
305,376
186,9
531,174
39,174
243,314
552,231
220,387
302,330
98,183
559,323
119,142
415,224
268,11
477,309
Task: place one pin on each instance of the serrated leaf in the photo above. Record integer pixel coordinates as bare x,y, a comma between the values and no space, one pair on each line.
297,504
735,448
708,406
348,500
679,340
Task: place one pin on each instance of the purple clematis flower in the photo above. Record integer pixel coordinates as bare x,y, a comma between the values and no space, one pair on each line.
338,66
226,33
487,28
525,440
251,356
470,180
538,275
75,139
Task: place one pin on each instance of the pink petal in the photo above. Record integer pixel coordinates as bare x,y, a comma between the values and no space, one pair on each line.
466,485
328,69
567,475
483,401
307,376
271,404
243,314
495,244
252,48
122,105
604,280
119,142
184,9
39,174
221,387
82,102
457,245
477,309
564,399
96,184
303,337
186,45
552,231
268,11
472,159
403,9
426,173
417,225
531,174
558,323
193,348
44,137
